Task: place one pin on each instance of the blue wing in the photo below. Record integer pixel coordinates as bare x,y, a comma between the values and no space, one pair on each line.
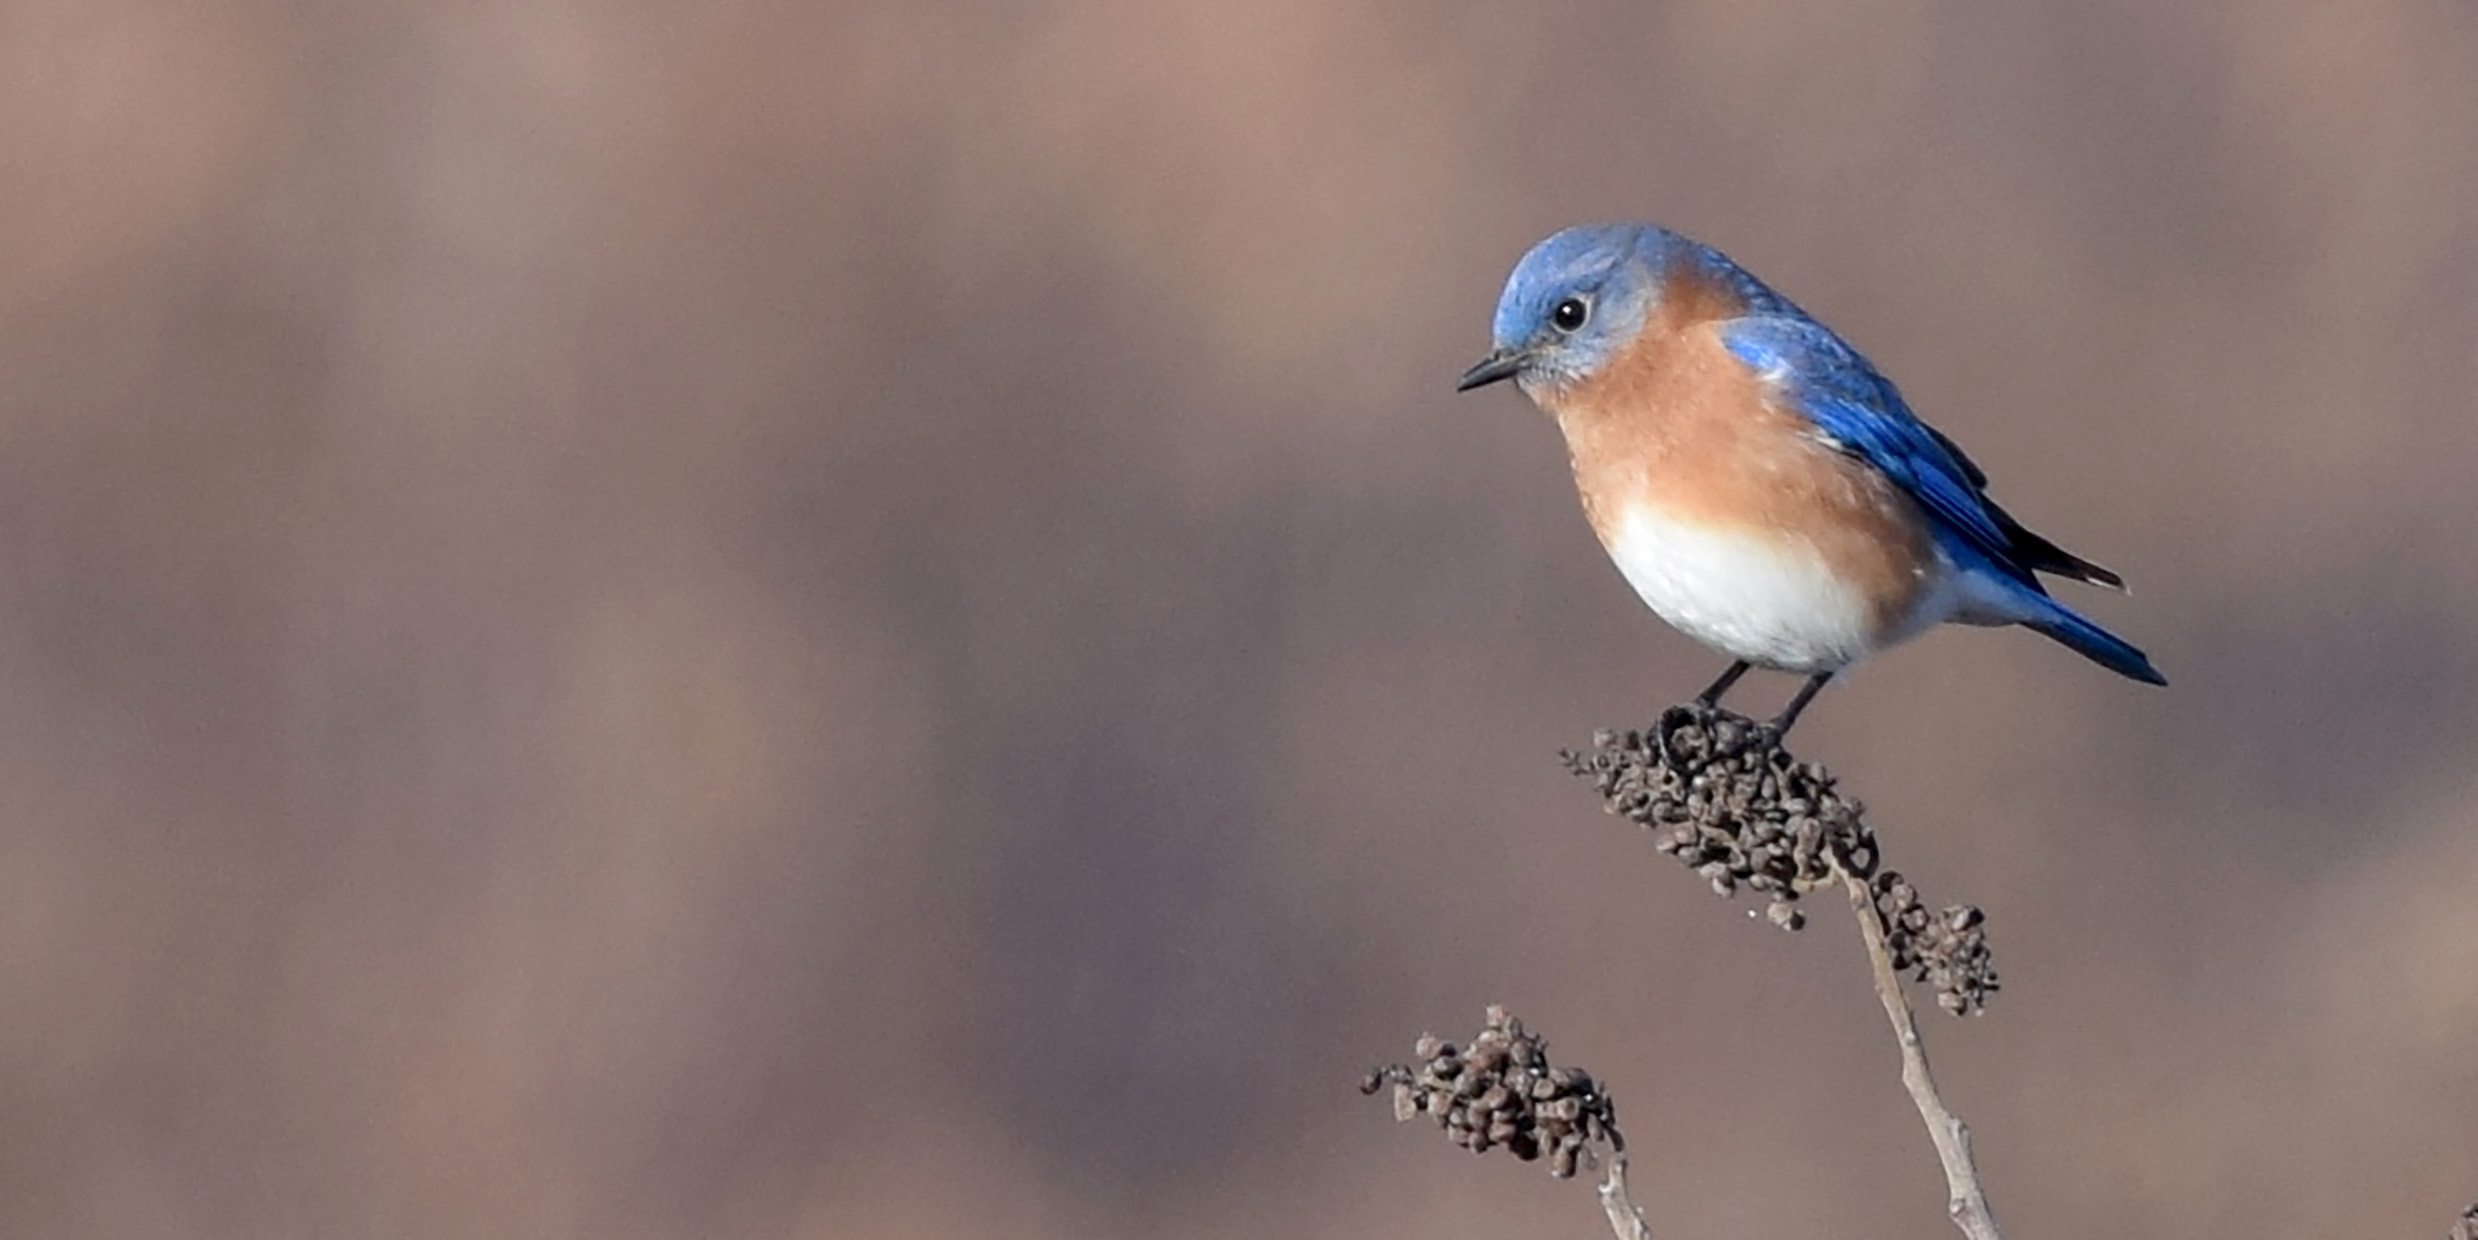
1860,412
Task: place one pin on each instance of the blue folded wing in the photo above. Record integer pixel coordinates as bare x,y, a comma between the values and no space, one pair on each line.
1860,412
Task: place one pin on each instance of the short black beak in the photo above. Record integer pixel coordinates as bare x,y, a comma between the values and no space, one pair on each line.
1501,365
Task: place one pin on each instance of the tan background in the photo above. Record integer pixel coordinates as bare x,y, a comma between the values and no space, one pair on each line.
877,620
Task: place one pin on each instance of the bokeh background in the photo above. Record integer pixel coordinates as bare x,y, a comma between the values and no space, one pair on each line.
877,620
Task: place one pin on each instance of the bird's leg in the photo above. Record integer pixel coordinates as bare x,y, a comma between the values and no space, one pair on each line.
1711,697
1780,724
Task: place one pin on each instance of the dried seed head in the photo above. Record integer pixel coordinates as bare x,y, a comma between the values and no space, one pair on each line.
1504,1092
1719,793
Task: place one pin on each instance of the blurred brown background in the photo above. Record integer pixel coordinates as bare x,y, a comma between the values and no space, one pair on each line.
878,620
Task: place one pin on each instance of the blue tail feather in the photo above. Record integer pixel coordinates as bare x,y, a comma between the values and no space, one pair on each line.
2093,642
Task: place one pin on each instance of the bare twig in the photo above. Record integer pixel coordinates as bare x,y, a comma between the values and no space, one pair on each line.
1966,1203
1720,794
1624,1217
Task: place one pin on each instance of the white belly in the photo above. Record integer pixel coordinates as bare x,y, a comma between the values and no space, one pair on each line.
1772,601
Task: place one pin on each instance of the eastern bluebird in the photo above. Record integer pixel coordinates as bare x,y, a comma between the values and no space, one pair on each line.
1763,489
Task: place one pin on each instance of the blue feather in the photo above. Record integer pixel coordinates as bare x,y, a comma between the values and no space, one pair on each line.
2092,642
1860,412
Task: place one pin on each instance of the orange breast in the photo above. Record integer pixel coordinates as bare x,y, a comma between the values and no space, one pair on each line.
1678,423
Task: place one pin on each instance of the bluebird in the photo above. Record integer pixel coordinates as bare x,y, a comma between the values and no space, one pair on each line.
1758,483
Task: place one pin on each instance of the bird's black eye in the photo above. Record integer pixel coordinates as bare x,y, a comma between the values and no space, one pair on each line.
1570,314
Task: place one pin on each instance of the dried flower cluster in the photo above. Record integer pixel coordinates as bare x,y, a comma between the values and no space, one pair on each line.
1732,805
1948,951
1502,1091
1721,795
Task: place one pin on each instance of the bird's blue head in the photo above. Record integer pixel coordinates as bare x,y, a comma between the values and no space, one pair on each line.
1573,303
